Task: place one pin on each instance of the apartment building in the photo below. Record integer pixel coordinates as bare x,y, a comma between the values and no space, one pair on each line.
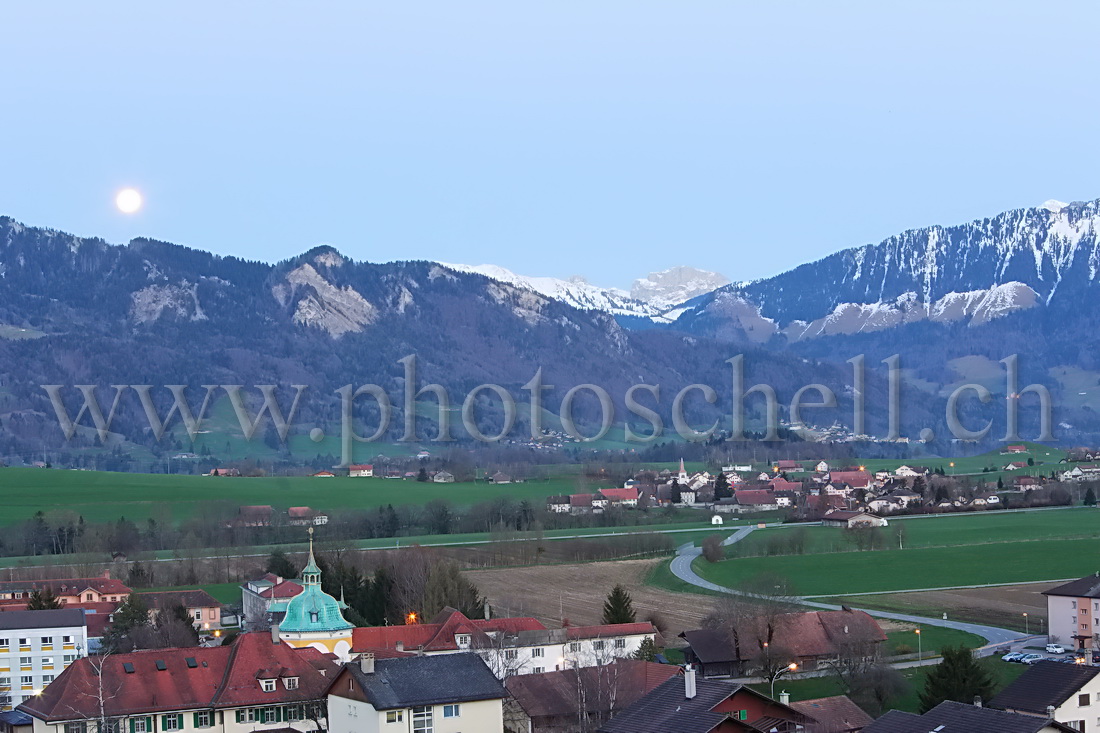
35,647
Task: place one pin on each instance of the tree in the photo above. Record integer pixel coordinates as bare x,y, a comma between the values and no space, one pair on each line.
130,615
447,586
875,688
1090,497
279,564
619,607
43,600
647,650
958,677
712,548
422,475
722,487
677,493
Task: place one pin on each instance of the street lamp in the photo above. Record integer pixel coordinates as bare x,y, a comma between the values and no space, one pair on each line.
920,654
779,673
1027,631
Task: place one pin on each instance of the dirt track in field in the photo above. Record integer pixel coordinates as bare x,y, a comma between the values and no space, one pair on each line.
1001,606
577,592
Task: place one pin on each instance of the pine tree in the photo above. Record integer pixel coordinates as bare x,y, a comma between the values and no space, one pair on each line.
958,677
1090,497
722,487
647,651
42,600
422,475
279,564
619,607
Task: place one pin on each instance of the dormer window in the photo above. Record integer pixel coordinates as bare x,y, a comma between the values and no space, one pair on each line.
291,683
463,640
267,685
313,616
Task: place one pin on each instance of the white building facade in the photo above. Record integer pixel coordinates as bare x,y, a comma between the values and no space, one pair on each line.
35,646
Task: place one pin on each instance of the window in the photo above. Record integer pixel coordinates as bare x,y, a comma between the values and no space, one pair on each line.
169,723
198,615
47,640
5,681
423,721
3,642
742,715
249,716
509,653
291,683
26,680
76,727
25,661
47,661
69,658
18,595
271,715
620,643
574,646
294,712
313,616
538,652
536,670
450,711
462,640
268,685
88,597
66,640
598,644
47,679
138,725
24,641
1083,700
395,716
202,720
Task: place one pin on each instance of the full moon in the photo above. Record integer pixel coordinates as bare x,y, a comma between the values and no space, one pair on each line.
128,200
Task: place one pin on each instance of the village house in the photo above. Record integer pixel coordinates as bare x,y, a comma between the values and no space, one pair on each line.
361,470
443,477
620,497
265,599
323,474
807,638
558,504
1010,449
755,500
554,702
1073,613
836,714
224,472
259,683
500,478
581,503
509,645
203,609
858,479
684,703
822,467
1068,693
1014,466
102,589
439,694
850,520
956,717
302,516
35,647
787,465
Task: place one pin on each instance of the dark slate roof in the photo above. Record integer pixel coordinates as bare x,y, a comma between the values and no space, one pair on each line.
42,619
1043,684
709,646
16,717
1086,587
957,717
666,709
834,713
429,680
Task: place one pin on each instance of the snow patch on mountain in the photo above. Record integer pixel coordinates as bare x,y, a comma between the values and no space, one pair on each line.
676,285
1054,205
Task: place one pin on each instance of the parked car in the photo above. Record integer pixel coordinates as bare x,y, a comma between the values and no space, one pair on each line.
1055,649
1031,658
1096,657
1011,657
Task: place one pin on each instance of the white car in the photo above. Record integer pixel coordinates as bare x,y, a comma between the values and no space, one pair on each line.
1055,649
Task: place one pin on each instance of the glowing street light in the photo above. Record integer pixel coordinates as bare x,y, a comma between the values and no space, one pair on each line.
779,673
1026,627
920,654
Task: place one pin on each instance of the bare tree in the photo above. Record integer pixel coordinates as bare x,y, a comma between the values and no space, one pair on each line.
101,693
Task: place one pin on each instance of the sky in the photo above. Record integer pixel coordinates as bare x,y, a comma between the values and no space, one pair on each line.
607,139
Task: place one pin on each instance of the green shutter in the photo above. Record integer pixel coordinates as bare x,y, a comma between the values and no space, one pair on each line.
133,728
179,721
240,716
149,724
195,719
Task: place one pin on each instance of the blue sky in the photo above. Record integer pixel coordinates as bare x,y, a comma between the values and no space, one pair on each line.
607,139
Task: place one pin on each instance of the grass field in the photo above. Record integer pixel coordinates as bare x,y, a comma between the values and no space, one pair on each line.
932,639
932,567
100,496
939,531
813,687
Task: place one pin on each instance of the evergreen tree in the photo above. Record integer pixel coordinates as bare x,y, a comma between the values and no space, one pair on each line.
722,487
677,492
447,586
619,607
422,475
647,651
958,677
279,564
1090,497
42,600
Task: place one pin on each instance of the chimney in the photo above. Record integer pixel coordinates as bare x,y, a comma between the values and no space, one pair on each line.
275,634
689,681
977,701
785,697
488,615
1050,712
366,662
399,646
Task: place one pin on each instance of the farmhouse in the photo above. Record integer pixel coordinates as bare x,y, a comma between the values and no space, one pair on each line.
1015,466
500,478
443,477
859,479
853,519
620,497
361,470
755,500
303,516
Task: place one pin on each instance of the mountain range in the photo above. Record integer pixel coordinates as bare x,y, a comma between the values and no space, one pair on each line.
952,301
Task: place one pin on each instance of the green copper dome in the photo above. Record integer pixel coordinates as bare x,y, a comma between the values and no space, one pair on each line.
313,609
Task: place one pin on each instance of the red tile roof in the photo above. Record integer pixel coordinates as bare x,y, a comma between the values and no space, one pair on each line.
439,635
855,479
68,586
753,496
286,589
220,677
630,494
580,500
609,630
554,694
361,467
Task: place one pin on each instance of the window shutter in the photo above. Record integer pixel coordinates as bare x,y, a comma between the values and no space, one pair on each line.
133,727
195,719
240,716
149,724
179,721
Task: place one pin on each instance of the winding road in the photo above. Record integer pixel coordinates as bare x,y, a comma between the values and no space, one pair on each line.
681,567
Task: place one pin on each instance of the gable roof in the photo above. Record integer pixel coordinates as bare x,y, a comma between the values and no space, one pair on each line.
192,677
1044,683
956,717
753,496
426,680
630,494
439,634
837,713
51,619
187,598
1086,587
857,479
67,586
809,634
556,694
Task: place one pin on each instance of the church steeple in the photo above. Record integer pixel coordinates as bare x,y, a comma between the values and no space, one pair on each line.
683,471
311,574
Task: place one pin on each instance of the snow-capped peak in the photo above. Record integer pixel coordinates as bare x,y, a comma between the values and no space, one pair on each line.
1054,205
